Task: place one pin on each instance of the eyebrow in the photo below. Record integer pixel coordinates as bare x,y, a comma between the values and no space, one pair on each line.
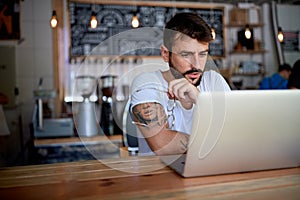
187,51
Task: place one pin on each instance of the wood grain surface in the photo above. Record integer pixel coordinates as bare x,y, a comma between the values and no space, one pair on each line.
141,178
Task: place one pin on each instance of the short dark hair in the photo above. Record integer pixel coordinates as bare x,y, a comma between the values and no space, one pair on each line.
284,66
189,24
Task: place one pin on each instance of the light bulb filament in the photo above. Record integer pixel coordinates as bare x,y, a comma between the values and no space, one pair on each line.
93,21
213,33
53,20
135,22
247,32
280,35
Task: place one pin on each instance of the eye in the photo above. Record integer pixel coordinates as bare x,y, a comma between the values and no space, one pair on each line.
203,54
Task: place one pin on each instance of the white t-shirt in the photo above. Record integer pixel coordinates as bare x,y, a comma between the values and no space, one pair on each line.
152,87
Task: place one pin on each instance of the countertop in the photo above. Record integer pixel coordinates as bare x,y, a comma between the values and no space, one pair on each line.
141,178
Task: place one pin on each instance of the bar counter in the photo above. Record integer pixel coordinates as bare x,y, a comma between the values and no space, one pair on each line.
141,178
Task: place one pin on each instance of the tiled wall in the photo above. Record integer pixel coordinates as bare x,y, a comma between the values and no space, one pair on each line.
34,58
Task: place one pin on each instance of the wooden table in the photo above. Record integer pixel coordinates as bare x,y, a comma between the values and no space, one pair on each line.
41,142
114,179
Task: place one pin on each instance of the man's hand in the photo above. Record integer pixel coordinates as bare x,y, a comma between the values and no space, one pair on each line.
184,91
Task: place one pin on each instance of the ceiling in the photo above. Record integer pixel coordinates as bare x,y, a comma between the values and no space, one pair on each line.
257,2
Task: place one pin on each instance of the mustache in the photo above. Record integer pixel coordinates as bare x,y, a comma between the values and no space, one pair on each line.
192,71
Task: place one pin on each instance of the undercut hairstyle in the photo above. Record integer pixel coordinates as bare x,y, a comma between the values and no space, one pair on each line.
189,24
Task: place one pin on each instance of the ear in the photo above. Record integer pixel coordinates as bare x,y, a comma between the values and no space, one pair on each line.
164,53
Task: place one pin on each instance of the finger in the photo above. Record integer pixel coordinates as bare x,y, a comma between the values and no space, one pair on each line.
179,88
173,83
184,90
171,96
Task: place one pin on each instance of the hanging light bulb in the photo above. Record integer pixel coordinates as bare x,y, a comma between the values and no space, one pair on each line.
135,21
212,30
53,20
93,20
213,33
247,32
280,35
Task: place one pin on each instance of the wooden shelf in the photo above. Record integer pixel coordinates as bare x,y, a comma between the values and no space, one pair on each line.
248,74
77,140
259,51
243,25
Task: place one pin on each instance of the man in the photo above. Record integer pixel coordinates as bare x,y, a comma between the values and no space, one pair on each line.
294,79
162,102
278,80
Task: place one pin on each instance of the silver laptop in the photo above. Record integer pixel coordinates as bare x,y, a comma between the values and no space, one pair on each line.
242,131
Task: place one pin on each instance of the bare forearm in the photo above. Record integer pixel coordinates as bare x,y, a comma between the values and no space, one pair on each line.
168,142
152,121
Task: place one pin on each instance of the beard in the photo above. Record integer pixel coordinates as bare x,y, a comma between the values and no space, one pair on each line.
179,75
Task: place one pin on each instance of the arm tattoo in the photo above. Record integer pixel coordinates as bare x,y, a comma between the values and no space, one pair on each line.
150,114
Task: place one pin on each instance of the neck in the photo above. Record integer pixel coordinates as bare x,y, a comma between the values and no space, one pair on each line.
168,76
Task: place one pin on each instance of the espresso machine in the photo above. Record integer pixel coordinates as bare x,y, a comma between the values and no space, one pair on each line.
44,124
108,118
85,111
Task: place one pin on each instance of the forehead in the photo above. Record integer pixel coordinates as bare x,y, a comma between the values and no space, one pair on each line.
145,105
183,42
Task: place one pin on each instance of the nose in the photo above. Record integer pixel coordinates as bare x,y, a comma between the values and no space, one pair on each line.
146,106
195,62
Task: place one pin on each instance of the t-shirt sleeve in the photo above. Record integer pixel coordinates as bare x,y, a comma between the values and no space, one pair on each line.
147,88
264,83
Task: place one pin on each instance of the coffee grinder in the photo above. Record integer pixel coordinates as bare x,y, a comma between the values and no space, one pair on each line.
107,121
86,122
